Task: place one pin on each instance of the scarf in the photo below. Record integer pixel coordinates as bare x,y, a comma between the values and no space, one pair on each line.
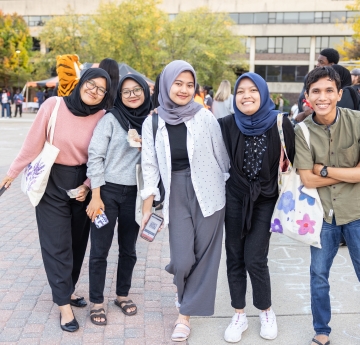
265,117
169,111
130,117
74,101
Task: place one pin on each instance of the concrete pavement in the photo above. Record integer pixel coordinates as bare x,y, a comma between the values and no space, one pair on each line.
28,316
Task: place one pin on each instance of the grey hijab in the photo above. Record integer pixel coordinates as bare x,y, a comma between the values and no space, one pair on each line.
170,112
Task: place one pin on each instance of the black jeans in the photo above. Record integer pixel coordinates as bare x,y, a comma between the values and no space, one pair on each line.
248,254
18,106
63,230
119,204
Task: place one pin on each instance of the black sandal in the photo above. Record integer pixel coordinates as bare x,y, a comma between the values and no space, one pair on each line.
128,305
318,342
98,313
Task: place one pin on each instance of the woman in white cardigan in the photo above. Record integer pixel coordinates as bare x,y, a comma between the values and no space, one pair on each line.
190,157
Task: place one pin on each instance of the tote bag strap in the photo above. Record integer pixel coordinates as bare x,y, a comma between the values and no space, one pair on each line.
281,135
52,121
306,132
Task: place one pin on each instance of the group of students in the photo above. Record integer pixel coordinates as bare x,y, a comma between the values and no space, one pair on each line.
213,172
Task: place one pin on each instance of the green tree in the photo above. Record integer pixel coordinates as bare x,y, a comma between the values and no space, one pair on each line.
15,48
206,41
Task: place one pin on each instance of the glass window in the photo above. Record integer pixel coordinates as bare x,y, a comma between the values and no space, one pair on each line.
306,17
279,17
318,17
172,16
291,17
288,73
261,45
261,70
335,41
246,18
304,45
273,73
271,45
351,16
326,17
260,18
234,17
338,17
246,42
290,45
36,44
272,17
300,73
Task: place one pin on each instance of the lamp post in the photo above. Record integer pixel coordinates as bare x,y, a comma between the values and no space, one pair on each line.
18,61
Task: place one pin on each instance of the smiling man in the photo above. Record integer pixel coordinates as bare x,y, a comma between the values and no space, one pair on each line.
332,166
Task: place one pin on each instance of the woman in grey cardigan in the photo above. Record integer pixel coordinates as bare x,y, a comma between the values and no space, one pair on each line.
111,168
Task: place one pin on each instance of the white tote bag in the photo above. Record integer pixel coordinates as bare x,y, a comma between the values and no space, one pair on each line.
298,212
36,174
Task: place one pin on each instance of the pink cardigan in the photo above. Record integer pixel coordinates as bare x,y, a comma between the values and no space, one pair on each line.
72,137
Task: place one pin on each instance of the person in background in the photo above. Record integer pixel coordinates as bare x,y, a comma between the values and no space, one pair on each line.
5,105
112,68
62,221
281,103
40,97
294,111
18,100
155,95
190,156
46,94
355,79
197,97
253,143
223,100
208,101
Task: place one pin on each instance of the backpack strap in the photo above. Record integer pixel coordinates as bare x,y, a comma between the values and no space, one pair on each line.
305,132
155,124
281,135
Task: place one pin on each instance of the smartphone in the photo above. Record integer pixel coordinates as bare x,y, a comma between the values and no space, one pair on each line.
2,190
100,219
151,227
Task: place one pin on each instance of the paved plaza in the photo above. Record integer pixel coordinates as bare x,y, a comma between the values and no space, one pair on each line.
28,315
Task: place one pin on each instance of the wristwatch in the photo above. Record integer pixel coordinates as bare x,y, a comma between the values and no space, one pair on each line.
323,171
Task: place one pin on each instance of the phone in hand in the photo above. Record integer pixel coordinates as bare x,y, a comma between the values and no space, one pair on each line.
2,190
151,228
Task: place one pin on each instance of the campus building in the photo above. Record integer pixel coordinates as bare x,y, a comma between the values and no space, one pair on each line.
282,38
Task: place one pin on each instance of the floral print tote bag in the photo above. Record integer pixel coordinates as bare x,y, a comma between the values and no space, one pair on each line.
36,174
298,212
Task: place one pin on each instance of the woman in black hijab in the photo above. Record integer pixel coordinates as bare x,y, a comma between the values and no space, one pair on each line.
61,213
113,155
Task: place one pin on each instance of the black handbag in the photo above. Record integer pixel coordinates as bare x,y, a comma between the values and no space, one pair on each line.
155,122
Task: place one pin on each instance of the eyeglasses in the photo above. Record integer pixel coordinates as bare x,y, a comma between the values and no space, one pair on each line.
90,84
127,93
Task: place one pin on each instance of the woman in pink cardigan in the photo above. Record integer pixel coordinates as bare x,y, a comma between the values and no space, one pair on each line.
62,221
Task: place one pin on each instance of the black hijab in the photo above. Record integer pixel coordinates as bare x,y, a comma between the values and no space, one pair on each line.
130,117
74,101
344,74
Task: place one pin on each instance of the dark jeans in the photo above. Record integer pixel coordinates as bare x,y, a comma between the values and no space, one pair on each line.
321,262
5,106
248,254
18,106
119,204
63,230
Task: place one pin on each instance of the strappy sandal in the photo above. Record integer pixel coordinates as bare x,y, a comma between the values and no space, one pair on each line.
125,306
181,330
319,343
98,313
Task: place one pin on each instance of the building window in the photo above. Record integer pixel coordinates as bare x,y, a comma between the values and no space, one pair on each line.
36,20
291,17
261,18
289,74
246,18
234,17
282,45
329,42
306,17
246,42
36,44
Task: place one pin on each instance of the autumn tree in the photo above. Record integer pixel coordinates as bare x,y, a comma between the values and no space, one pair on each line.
206,41
15,48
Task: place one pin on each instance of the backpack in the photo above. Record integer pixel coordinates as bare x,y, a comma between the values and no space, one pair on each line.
354,96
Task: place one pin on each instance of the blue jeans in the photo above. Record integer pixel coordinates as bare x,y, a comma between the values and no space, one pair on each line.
321,262
3,107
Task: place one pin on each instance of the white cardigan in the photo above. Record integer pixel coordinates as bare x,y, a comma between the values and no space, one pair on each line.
209,162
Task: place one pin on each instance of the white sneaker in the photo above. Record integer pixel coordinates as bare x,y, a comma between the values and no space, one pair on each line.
268,325
239,324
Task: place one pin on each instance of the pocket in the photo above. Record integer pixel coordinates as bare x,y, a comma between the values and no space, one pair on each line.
349,157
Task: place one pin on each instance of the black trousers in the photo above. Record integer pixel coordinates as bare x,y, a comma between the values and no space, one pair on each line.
63,231
248,254
119,201
18,106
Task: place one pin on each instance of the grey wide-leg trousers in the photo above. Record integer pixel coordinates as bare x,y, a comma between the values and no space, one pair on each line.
195,247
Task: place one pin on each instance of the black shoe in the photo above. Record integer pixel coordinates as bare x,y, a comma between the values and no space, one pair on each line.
71,326
79,302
